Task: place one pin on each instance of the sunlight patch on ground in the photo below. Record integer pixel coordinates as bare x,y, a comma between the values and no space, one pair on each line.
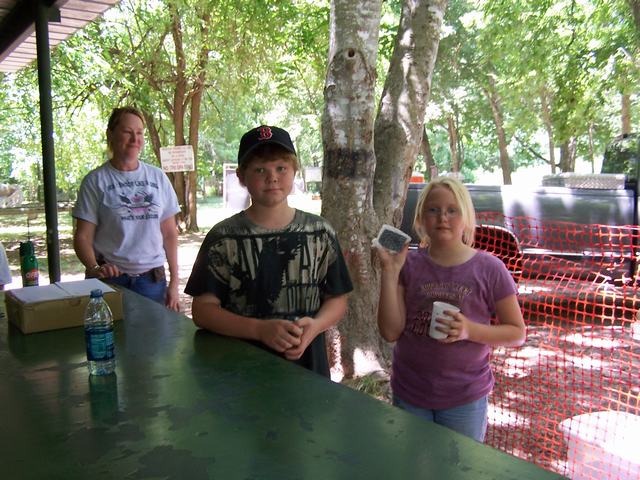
586,363
503,416
529,289
520,363
365,362
513,368
592,340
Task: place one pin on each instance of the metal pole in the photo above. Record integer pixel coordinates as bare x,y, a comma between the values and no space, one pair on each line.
46,128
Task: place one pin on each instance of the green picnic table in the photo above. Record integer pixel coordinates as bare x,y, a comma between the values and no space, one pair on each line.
188,404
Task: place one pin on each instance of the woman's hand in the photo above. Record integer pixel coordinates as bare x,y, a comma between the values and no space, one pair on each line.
106,270
172,297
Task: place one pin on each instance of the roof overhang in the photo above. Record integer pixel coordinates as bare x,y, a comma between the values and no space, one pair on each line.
17,26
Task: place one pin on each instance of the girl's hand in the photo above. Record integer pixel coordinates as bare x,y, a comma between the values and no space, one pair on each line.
392,261
457,326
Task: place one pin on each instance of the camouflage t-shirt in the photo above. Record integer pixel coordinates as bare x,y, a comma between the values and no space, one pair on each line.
262,273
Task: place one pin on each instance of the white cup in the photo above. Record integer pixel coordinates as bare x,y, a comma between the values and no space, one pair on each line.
438,312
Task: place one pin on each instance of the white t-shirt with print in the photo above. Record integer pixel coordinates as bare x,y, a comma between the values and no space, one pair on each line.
127,209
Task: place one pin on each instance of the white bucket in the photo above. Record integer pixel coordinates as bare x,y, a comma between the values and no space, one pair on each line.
603,445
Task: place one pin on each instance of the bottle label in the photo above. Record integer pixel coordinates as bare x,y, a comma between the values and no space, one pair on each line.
99,343
31,278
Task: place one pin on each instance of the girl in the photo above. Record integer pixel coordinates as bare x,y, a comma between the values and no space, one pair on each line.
446,381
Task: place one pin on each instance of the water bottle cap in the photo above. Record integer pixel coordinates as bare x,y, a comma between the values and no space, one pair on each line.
96,293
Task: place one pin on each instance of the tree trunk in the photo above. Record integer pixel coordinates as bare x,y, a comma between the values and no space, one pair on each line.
154,136
184,96
496,109
548,125
592,156
635,10
353,202
197,90
349,161
177,110
191,209
453,143
626,113
568,155
430,163
400,122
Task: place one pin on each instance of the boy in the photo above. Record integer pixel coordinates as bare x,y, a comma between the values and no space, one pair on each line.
271,274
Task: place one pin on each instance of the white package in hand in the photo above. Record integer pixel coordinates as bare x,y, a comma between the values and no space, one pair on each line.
391,238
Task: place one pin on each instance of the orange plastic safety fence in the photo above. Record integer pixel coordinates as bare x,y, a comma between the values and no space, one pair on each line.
568,399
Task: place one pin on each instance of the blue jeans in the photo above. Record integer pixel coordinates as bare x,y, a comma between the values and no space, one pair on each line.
143,284
469,419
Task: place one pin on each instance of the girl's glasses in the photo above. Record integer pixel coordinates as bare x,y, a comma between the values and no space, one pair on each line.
450,212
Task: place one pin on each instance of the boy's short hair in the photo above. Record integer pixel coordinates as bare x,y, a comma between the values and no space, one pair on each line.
463,199
268,143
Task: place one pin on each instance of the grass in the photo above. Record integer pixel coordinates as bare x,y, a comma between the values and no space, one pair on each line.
375,384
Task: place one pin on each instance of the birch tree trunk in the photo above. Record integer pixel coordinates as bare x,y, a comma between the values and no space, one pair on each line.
400,122
349,160
353,202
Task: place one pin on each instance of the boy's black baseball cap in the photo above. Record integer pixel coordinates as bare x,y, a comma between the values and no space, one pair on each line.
262,135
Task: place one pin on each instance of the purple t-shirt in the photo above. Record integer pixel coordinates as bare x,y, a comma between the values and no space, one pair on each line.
433,375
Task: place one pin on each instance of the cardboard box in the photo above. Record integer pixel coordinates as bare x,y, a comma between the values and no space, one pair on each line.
59,305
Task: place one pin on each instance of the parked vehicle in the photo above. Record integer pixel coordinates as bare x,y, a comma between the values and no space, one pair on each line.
584,200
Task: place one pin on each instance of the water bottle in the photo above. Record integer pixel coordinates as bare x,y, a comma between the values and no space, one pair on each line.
98,332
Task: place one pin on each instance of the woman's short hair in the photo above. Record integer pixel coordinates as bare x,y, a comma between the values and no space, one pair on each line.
463,199
118,113
114,119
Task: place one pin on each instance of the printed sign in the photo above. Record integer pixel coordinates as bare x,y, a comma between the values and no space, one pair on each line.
313,174
177,159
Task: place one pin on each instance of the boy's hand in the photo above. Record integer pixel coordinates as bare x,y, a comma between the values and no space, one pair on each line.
308,328
280,335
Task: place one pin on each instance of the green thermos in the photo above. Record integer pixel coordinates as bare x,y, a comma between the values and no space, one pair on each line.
28,264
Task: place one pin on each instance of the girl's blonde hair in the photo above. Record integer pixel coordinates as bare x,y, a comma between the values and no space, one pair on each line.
465,204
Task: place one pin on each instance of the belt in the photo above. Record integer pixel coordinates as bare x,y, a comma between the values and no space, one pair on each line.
135,275
154,272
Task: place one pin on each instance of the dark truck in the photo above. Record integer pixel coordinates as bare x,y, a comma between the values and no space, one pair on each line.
531,219
590,200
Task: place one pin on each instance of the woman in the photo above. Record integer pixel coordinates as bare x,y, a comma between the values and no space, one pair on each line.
125,216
